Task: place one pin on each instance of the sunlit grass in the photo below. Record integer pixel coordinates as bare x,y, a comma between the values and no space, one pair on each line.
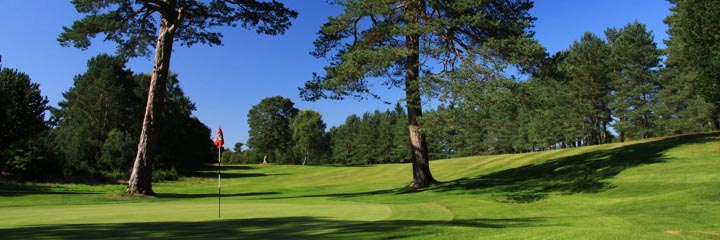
665,188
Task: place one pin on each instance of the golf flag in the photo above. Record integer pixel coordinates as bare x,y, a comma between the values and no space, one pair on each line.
219,138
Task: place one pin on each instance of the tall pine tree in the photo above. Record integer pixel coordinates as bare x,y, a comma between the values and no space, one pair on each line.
635,60
695,38
589,74
137,26
392,39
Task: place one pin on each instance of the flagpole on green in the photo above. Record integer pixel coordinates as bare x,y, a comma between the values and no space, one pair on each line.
219,152
219,143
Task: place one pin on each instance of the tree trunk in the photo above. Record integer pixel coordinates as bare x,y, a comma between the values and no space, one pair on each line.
141,176
307,152
422,177
622,132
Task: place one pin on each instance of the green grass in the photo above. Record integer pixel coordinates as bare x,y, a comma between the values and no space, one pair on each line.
665,188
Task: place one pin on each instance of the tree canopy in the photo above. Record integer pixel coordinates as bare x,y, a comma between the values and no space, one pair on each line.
270,133
23,148
133,25
694,37
308,134
23,107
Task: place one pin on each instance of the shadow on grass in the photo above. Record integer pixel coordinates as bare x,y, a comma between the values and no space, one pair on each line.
213,195
260,228
211,171
17,193
225,175
227,167
11,189
584,173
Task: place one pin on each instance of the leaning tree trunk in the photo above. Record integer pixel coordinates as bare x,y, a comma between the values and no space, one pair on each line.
422,177
141,176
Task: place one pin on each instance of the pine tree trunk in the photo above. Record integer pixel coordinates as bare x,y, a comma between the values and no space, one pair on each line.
422,177
140,182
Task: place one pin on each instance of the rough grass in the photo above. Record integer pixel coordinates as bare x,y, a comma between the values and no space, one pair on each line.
665,188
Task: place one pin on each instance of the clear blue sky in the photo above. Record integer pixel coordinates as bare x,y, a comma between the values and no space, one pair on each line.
226,81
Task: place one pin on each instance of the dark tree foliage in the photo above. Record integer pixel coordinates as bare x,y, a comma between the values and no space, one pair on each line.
117,154
22,107
24,152
393,40
186,143
695,38
101,100
554,117
270,133
680,109
137,26
95,123
489,121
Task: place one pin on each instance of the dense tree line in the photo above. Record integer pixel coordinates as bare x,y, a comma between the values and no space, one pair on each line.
93,134
575,98
377,137
280,133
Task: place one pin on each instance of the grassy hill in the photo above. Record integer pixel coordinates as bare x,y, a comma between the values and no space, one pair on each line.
665,188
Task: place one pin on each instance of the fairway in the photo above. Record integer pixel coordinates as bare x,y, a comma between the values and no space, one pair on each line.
662,188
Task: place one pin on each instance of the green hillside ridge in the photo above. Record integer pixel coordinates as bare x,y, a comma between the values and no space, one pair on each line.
661,188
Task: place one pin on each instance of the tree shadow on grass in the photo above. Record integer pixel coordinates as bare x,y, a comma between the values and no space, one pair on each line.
584,173
224,167
10,189
17,193
226,175
213,195
260,228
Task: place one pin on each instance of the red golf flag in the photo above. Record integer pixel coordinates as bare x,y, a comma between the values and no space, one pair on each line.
219,138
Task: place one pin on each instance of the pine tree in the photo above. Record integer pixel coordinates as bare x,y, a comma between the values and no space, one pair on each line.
695,38
588,72
393,38
134,27
635,59
100,101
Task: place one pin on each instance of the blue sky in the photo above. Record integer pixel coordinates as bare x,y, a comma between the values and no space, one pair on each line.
226,81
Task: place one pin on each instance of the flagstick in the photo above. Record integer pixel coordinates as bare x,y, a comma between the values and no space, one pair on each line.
219,151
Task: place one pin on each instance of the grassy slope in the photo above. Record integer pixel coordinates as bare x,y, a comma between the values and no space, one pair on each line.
665,188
